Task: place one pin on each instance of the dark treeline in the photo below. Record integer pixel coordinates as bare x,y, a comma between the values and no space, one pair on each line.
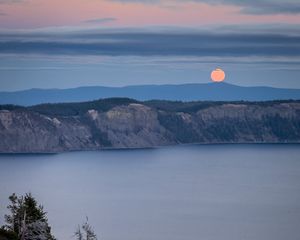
102,105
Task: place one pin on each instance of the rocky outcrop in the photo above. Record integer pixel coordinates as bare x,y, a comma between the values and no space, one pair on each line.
26,131
131,126
138,125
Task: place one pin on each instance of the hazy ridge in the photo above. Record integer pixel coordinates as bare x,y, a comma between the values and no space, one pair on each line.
185,92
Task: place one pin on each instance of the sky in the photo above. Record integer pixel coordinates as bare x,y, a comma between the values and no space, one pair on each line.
72,43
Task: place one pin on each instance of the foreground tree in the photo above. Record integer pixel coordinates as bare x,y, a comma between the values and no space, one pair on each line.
7,235
27,219
85,232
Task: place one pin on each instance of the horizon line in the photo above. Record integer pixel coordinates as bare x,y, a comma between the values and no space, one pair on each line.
147,85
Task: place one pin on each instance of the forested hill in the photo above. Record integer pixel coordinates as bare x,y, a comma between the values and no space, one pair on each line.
128,123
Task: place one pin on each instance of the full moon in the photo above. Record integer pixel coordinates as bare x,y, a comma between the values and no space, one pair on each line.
217,75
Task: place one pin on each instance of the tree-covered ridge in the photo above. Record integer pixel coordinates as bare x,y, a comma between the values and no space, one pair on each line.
75,109
195,106
103,105
10,107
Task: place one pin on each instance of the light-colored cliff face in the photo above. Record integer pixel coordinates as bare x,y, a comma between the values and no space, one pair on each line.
131,126
137,125
252,123
243,111
24,131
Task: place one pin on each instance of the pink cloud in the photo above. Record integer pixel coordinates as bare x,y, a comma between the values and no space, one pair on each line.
36,13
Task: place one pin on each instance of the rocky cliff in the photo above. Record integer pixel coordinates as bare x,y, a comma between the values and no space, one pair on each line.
126,123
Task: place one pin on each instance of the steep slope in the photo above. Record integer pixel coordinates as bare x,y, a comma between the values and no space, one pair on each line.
126,123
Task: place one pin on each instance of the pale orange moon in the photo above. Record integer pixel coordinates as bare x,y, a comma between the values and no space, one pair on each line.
217,75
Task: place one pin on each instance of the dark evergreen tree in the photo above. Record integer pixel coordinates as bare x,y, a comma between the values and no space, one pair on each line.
7,234
27,219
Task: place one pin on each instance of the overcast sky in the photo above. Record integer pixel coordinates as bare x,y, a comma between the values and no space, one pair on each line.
71,43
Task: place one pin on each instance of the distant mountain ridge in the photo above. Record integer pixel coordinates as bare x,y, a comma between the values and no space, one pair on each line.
185,92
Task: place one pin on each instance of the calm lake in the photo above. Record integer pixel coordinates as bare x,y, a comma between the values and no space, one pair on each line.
215,192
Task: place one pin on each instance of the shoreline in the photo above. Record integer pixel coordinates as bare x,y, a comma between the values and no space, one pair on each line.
149,148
